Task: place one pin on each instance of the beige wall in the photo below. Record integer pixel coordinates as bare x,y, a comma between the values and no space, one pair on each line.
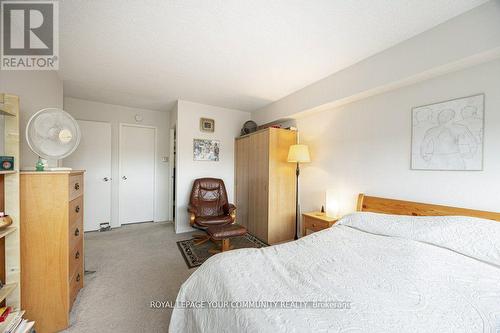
365,147
36,90
228,124
116,114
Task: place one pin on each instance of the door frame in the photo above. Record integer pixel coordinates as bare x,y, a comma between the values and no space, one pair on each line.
120,155
172,164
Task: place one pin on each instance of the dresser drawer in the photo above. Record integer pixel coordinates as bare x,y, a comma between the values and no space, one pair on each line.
75,210
316,221
75,186
75,284
75,259
314,224
75,233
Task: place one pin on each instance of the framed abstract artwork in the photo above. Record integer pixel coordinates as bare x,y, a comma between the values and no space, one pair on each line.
448,135
206,150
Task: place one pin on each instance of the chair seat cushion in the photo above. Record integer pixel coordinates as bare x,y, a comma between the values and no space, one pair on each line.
226,231
206,221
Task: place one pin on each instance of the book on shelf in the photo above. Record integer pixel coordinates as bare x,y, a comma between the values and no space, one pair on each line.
4,313
24,326
16,324
13,321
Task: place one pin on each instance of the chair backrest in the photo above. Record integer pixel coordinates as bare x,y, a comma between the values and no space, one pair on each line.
209,196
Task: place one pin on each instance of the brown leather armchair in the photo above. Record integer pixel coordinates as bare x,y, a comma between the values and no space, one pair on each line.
209,206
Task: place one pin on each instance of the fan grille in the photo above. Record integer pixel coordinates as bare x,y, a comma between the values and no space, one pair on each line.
52,133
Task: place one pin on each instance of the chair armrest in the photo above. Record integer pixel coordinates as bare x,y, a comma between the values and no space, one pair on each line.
230,209
192,214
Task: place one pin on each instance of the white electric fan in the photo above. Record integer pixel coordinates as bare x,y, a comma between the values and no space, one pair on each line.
53,134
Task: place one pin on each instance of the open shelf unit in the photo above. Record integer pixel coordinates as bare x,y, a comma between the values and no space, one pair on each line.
10,256
7,290
7,231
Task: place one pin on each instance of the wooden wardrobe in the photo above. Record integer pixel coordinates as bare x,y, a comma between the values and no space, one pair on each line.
265,184
51,246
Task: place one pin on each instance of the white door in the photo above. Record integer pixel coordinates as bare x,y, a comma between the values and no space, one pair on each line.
137,173
94,155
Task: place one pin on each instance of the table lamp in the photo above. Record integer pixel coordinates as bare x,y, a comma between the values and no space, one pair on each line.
332,204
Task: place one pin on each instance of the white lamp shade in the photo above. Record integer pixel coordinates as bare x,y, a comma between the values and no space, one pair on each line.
299,154
332,204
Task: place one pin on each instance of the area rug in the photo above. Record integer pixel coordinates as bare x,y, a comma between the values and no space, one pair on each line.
195,255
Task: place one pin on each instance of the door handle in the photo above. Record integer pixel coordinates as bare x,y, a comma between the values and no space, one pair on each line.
106,179
124,177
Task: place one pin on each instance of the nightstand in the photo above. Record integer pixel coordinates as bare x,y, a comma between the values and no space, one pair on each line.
316,221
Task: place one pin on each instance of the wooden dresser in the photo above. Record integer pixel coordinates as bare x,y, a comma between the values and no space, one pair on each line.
51,246
265,184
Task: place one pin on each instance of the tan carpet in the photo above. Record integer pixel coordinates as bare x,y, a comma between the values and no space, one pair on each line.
134,265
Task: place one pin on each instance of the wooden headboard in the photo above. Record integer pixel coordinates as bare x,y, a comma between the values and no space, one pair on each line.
400,207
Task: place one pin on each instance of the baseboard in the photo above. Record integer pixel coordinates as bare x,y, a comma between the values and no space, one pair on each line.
184,230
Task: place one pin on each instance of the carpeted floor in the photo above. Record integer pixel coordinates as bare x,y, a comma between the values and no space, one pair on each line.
134,265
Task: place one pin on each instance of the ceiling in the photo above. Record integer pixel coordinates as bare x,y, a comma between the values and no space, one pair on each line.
231,53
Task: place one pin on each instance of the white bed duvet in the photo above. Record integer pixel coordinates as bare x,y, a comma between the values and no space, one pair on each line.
387,273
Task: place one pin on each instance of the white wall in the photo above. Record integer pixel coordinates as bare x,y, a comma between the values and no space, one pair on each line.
173,116
463,41
365,147
37,90
228,124
116,114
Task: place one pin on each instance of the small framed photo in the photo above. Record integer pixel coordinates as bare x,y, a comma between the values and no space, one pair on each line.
207,125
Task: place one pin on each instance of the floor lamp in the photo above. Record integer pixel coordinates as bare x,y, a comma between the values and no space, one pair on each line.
298,154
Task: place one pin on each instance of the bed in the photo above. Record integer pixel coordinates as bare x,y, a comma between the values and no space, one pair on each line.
394,266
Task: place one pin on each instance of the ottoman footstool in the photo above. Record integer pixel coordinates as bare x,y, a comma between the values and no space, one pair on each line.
224,233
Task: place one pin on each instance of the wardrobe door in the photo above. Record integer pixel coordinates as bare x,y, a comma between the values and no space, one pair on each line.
282,182
242,149
258,184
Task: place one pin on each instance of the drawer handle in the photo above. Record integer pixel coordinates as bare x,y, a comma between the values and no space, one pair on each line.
77,209
77,186
77,232
77,255
78,278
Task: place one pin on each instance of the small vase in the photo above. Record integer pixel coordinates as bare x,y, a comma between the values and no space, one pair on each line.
39,165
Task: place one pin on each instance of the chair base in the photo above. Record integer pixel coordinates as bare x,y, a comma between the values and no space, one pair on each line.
200,238
225,246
